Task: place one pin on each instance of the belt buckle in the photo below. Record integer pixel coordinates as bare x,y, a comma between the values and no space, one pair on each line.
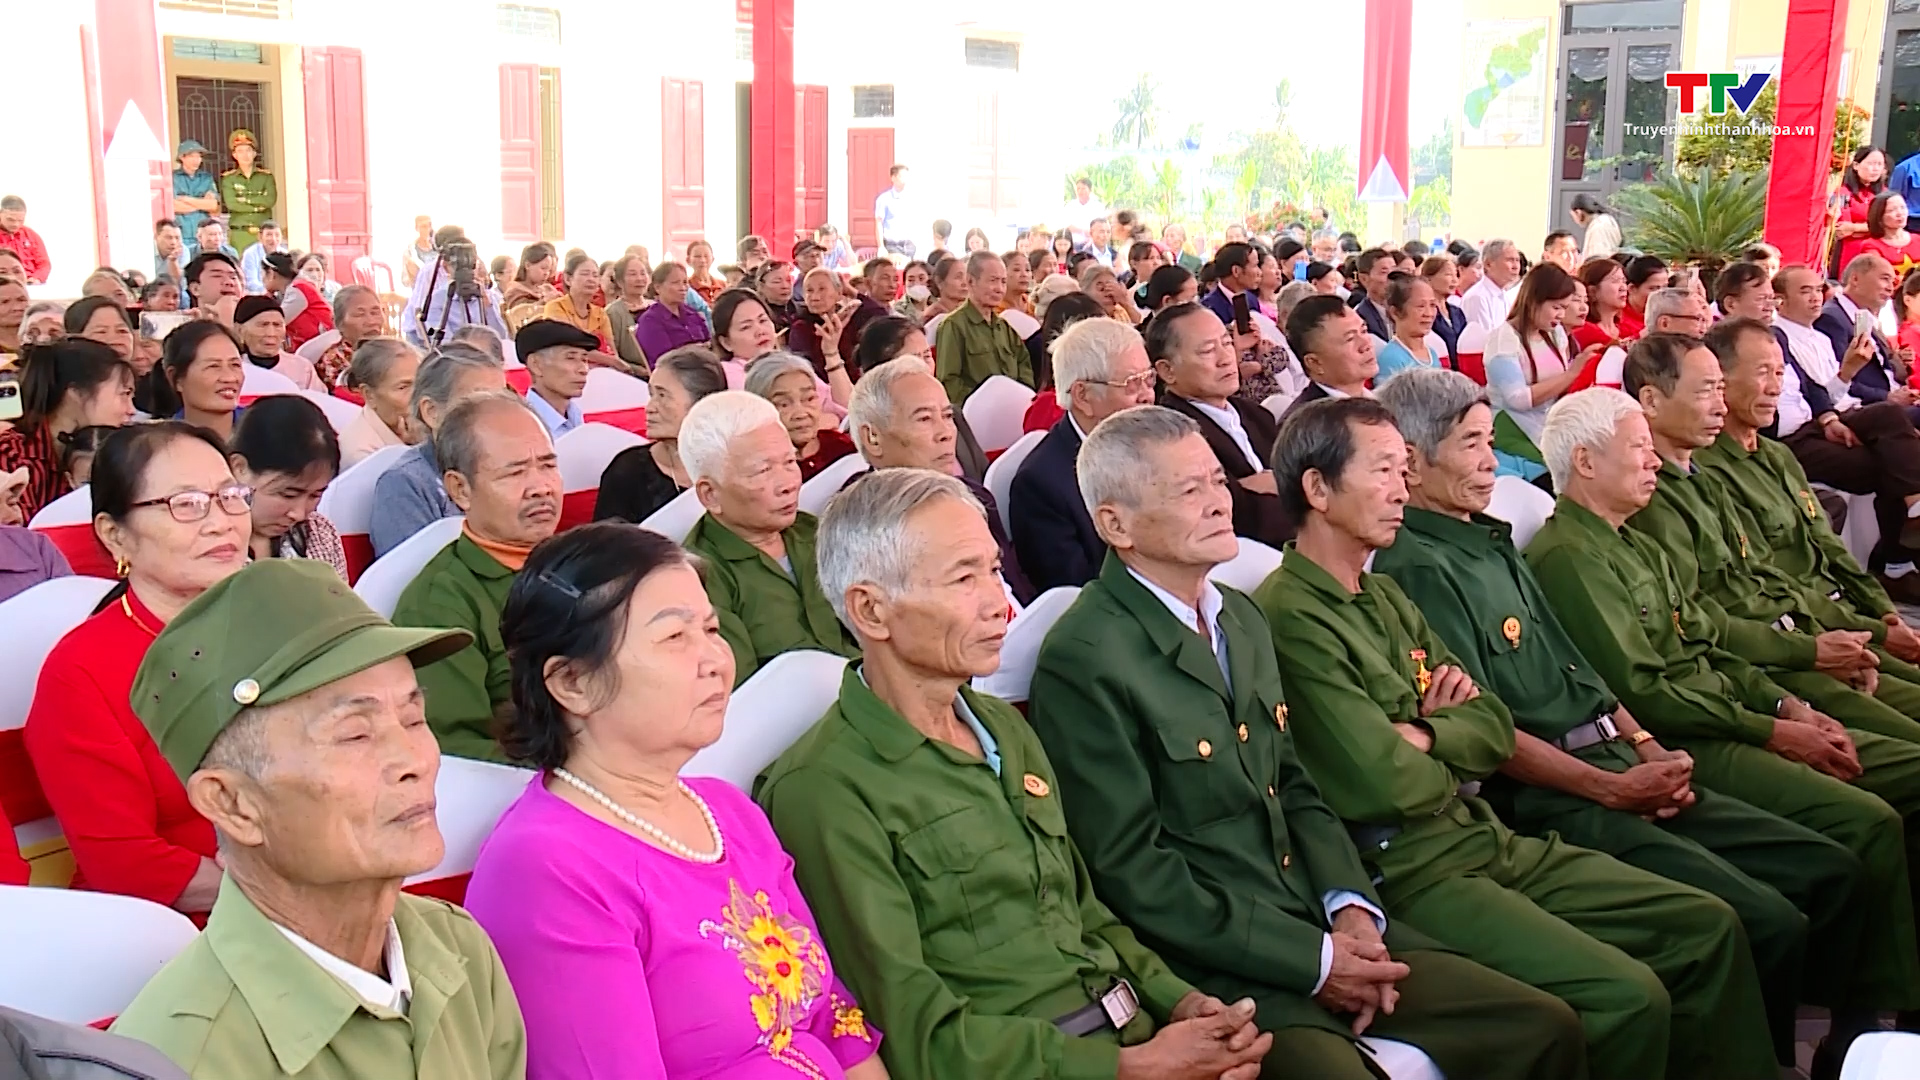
1121,1004
1608,730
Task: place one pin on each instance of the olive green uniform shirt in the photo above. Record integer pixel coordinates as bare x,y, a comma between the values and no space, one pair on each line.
764,609
971,347
1475,591
249,201
1772,489
1355,665
951,899
463,588
1620,600
244,1003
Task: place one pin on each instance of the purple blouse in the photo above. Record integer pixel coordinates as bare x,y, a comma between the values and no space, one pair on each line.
658,331
635,964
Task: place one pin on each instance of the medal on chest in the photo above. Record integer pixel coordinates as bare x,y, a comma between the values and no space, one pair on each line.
1511,631
1422,678
1809,504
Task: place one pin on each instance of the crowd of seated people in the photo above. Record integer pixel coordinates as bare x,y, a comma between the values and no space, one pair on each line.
1615,802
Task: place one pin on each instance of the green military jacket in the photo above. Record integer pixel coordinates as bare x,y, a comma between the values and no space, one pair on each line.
249,200
1772,488
952,901
763,610
970,347
1198,823
244,1001
1354,665
1474,589
1621,601
463,588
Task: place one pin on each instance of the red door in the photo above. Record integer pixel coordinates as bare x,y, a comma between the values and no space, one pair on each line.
337,154
869,158
520,152
683,157
811,183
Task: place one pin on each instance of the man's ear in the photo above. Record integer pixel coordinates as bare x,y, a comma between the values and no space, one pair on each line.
231,802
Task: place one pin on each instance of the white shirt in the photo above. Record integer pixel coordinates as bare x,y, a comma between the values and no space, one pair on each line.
1791,411
1332,393
1813,351
1229,422
392,993
1486,306
1602,239
1078,215
557,425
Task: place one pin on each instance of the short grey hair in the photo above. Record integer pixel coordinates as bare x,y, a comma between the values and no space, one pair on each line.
1668,301
1588,418
1113,465
457,443
1085,352
43,307
373,361
710,427
872,404
1288,298
440,372
1860,264
344,299
1496,249
1428,403
483,338
864,537
764,372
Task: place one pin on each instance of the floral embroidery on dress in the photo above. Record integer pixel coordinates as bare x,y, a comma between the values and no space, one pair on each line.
848,1020
786,966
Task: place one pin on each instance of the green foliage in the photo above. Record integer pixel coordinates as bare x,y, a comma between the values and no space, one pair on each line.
1692,215
1748,146
1431,203
1119,181
1166,189
1434,158
1139,114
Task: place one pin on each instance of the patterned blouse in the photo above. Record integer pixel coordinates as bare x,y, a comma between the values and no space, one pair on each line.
314,538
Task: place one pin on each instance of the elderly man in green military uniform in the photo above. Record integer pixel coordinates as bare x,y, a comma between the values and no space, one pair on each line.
248,193
1582,767
1398,735
1624,606
1159,702
289,710
929,839
757,542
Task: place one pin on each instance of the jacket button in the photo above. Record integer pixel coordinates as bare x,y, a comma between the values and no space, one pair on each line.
1271,792
1286,861
1243,733
1205,748
1573,667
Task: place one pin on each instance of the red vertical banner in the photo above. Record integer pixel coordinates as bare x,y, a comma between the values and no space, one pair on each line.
1809,91
1383,170
775,123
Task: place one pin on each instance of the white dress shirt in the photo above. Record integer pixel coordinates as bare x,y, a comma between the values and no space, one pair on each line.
391,993
1487,306
1229,422
1813,351
557,425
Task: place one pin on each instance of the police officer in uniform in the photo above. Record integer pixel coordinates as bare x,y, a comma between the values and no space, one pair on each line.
248,193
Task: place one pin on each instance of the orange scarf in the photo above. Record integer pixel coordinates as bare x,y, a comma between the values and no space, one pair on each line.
511,556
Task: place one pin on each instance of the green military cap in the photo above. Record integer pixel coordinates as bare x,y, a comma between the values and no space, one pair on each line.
273,631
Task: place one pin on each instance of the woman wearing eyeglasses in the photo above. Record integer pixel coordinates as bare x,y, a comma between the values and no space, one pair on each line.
175,520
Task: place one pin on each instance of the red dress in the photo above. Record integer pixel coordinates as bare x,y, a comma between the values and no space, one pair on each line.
124,812
1902,258
1631,323
1854,211
833,447
1043,413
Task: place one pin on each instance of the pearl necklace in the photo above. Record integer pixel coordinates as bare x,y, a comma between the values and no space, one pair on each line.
719,842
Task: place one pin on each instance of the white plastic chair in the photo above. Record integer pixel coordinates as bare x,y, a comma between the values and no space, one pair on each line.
1278,404
259,382
1023,324
995,411
676,519
1403,1061
68,522
1882,1055
341,413
1001,471
817,492
471,795
1860,531
31,624
772,709
348,501
1021,649
381,584
586,451
1521,505
78,956
1248,569
609,391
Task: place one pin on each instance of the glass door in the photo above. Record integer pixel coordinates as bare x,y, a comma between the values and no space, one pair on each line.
1896,116
1613,110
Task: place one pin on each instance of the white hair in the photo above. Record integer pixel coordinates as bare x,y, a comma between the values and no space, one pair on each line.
1113,466
865,538
1666,302
708,431
1496,249
872,404
764,372
1587,419
1085,352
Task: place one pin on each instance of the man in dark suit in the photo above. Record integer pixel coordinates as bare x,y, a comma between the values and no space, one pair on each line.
1193,352
1236,271
1335,350
1374,265
1867,284
1100,367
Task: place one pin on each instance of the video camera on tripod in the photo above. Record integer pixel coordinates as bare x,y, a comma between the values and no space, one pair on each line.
459,258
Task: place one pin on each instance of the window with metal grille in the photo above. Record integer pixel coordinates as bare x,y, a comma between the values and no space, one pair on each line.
553,215
239,52
988,53
870,102
252,9
523,23
743,43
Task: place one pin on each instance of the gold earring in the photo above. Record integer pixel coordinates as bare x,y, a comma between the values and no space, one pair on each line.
121,566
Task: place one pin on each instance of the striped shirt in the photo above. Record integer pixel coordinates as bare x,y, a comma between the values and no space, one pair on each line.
46,480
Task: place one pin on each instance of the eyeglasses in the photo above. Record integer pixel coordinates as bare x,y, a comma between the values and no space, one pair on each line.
188,507
1142,381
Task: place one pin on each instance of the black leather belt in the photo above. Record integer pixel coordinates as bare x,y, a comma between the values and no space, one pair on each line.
1115,1010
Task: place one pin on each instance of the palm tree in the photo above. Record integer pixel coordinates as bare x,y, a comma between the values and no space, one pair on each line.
1432,202
1166,188
1282,101
1244,186
1692,216
1139,118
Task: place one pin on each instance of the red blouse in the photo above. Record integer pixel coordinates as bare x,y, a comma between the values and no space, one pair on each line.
833,447
1855,212
124,812
1902,258
1043,413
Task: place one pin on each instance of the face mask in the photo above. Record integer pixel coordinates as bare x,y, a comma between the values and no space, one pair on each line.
919,294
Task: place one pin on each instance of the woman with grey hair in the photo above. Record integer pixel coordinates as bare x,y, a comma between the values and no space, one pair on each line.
382,373
411,495
643,479
787,380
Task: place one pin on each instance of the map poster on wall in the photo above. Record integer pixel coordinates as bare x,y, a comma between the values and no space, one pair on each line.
1504,80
